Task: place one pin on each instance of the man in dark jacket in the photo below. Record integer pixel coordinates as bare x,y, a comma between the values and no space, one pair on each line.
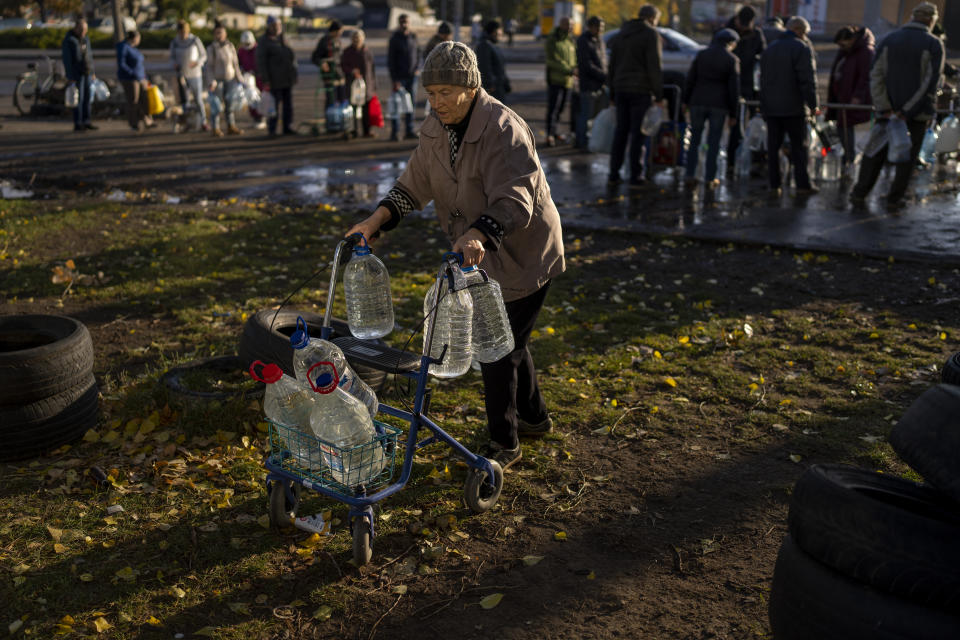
493,73
78,66
635,81
850,84
403,57
327,55
444,34
903,83
748,50
592,69
712,93
788,95
277,68
133,76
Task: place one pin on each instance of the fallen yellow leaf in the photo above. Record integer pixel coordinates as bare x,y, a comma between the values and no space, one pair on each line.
491,600
101,624
154,622
531,560
560,535
323,612
670,381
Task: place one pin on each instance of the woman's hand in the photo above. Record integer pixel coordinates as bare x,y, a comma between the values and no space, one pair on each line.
371,224
470,245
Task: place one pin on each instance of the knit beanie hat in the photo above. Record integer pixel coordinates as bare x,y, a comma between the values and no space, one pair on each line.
451,63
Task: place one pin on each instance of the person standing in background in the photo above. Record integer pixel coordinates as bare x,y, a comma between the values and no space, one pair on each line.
493,72
712,94
748,51
904,79
850,84
444,34
561,54
357,62
78,67
224,73
133,77
403,58
636,81
592,71
277,68
188,57
511,30
327,55
247,55
788,96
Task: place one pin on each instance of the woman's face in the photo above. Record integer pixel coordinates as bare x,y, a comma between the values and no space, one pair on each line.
450,102
357,39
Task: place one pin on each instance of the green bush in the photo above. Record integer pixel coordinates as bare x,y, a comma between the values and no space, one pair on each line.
53,38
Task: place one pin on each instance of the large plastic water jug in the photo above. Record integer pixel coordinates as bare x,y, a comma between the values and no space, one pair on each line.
831,167
452,321
287,403
349,449
492,336
651,120
949,140
928,151
898,146
756,133
71,96
743,161
309,351
366,287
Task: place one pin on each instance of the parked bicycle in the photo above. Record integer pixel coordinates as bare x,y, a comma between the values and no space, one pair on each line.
40,89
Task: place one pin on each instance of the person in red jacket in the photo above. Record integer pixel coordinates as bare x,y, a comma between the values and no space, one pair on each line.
850,83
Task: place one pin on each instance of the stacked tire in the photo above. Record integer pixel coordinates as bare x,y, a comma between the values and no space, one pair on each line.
876,556
48,394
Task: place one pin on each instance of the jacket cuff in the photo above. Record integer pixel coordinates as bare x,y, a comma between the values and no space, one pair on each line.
399,203
490,228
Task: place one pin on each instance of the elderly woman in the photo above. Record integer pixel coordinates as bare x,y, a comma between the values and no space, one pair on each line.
357,62
477,161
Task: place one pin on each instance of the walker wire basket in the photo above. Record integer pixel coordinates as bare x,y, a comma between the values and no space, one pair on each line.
344,470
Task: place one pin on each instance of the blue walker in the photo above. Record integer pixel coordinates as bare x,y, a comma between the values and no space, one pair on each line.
287,476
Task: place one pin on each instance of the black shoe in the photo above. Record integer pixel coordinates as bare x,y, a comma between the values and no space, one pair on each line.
506,457
638,183
90,127
858,200
613,181
394,138
409,134
535,430
895,202
775,192
807,191
79,128
289,132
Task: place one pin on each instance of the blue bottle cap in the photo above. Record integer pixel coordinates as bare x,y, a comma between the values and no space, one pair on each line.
469,269
300,338
364,250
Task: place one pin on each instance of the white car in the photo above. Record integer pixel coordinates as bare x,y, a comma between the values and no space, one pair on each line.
678,50
14,23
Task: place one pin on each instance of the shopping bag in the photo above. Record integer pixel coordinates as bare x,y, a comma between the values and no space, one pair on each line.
651,120
949,140
216,105
756,134
358,92
898,144
101,92
71,96
237,97
601,135
375,112
268,105
877,139
154,100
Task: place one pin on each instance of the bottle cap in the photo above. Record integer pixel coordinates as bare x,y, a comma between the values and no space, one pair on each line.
301,337
323,377
469,269
362,248
269,374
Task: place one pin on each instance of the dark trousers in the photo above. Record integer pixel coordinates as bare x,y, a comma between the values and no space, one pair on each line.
510,384
334,94
137,107
848,140
281,95
795,127
81,112
717,117
361,118
410,86
736,134
556,100
631,108
870,168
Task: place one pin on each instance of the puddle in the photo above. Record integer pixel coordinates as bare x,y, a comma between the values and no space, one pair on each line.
117,195
10,192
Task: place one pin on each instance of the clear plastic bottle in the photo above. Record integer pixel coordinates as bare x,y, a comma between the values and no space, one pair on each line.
308,351
452,326
743,160
928,148
492,336
287,403
949,139
340,420
832,168
366,287
651,120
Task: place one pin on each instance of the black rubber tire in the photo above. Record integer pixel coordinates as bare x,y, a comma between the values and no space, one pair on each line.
809,601
892,534
362,549
951,370
477,493
39,427
172,379
41,356
927,437
281,510
259,342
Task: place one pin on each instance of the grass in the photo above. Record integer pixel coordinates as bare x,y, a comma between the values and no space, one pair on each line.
721,350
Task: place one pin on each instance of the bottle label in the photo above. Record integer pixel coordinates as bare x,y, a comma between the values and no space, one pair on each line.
319,523
333,457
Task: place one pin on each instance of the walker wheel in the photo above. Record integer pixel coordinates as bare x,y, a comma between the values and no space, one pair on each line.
362,551
478,493
282,510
